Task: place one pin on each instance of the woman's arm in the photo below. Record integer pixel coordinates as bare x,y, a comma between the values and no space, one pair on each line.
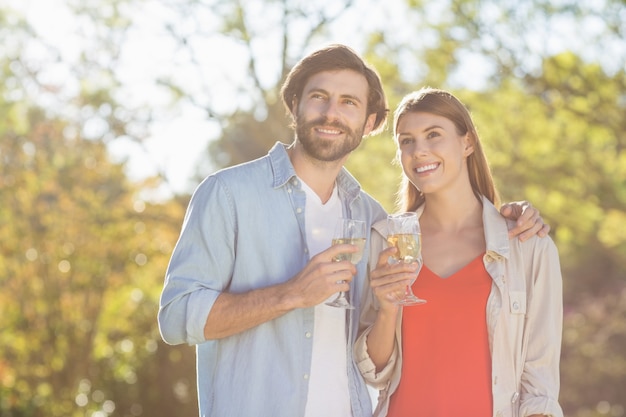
388,283
379,315
540,377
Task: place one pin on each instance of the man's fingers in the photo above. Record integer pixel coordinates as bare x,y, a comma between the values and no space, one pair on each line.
545,230
539,228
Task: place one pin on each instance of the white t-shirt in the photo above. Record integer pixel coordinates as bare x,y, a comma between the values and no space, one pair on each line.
329,395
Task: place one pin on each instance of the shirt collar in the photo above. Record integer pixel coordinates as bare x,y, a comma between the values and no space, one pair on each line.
283,171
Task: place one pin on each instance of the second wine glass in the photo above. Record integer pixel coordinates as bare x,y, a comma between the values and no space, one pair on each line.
404,233
353,232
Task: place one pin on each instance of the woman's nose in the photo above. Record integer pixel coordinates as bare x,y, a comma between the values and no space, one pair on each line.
420,148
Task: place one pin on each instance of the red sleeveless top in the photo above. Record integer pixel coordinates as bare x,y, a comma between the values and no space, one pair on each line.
446,368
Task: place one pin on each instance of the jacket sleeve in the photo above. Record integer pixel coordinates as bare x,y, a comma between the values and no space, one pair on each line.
369,311
540,375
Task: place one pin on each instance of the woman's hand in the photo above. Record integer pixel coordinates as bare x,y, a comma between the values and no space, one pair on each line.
389,281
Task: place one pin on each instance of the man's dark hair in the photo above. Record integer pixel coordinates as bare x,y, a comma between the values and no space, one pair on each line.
332,58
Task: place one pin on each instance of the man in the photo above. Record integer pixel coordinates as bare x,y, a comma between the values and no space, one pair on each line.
253,265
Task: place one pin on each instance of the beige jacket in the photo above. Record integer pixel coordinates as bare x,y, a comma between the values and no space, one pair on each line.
524,319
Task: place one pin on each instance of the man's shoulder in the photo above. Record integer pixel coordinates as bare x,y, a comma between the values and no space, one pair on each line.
244,168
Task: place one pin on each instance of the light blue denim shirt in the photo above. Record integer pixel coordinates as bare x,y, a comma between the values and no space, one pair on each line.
244,229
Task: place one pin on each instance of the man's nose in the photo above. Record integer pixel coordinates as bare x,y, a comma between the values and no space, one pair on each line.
331,110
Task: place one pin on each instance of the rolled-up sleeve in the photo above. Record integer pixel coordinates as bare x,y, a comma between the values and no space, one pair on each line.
200,267
379,380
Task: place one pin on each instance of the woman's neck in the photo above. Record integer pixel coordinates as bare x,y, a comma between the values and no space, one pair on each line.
452,211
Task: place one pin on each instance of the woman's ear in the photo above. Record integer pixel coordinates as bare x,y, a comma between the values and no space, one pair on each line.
469,145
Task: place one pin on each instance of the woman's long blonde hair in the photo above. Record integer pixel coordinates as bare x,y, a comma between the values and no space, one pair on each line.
444,104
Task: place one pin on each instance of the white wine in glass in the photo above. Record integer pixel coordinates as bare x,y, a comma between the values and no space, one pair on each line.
355,258
404,233
352,232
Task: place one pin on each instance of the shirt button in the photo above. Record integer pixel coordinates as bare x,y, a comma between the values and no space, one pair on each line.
298,210
307,335
516,306
306,376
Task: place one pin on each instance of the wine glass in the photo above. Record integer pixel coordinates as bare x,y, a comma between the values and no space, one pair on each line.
352,232
404,233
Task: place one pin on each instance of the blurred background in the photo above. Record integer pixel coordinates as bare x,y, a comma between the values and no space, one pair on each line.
112,111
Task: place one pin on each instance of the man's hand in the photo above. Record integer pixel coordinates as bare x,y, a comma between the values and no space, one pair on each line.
528,220
322,277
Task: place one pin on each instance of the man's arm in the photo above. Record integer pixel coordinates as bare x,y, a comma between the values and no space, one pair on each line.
528,220
321,277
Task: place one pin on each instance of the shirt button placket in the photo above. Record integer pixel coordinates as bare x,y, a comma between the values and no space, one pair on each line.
307,335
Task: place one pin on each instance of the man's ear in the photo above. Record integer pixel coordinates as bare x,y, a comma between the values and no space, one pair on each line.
294,105
369,124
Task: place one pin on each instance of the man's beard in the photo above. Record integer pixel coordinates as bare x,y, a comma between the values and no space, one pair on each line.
325,149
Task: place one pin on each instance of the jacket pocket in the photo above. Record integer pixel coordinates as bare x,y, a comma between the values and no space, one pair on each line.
517,302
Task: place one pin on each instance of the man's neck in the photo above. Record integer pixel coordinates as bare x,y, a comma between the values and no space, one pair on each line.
320,176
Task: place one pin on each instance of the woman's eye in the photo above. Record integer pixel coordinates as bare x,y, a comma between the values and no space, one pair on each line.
432,135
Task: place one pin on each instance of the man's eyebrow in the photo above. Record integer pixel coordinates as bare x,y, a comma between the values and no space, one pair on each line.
325,92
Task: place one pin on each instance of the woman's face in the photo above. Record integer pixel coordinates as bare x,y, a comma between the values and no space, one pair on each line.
433,154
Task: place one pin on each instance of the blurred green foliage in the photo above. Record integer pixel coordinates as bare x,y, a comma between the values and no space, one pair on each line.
83,251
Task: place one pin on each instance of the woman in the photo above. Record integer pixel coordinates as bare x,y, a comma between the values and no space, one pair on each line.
487,342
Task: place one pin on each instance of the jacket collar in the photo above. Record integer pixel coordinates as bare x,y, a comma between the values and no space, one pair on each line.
494,225
496,231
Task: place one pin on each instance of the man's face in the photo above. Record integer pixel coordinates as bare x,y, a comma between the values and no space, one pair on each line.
331,116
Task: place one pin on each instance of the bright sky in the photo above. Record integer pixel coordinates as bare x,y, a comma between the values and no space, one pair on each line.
174,144
177,142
